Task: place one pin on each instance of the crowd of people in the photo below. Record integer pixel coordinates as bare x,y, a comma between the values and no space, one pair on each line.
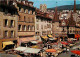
55,44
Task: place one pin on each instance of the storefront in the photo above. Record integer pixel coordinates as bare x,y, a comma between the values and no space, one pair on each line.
25,41
8,43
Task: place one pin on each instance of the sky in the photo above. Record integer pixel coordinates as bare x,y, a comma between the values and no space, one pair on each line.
52,3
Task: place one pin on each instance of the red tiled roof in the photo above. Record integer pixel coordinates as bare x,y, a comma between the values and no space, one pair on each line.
42,14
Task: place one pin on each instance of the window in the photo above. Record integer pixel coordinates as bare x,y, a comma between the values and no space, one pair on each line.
12,34
41,26
28,11
33,19
34,13
12,23
70,31
30,20
6,23
63,23
6,34
21,10
24,27
37,33
37,26
28,27
32,28
19,27
24,18
25,11
37,20
19,17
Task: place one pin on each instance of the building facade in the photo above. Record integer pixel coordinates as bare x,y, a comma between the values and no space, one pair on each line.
43,25
8,25
43,7
26,21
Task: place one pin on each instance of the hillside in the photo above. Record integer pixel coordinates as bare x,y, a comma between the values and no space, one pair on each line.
66,7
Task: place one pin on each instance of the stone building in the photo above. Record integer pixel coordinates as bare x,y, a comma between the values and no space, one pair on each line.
71,26
43,7
8,26
66,23
55,24
43,25
26,21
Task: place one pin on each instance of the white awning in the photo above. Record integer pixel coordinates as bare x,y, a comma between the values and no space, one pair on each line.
76,47
27,50
52,38
32,50
20,48
34,42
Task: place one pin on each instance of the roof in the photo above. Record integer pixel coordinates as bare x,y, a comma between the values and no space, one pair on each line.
56,16
71,21
25,6
10,9
64,20
42,14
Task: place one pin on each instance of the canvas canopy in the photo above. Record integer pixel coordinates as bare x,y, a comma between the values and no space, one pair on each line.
27,50
32,50
20,48
50,36
44,37
7,43
34,42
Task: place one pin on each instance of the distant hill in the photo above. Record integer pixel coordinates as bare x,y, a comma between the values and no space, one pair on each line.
66,7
